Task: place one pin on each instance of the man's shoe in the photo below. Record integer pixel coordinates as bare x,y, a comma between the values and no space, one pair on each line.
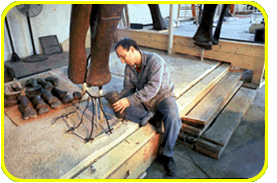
169,165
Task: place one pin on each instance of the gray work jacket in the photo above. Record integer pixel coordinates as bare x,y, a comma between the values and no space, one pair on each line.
151,85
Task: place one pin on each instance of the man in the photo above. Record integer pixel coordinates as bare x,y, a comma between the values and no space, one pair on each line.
148,86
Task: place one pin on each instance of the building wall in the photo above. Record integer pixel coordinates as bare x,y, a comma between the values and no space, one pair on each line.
53,20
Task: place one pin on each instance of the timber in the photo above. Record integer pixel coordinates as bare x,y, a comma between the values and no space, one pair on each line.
209,106
215,139
107,164
200,89
242,55
140,161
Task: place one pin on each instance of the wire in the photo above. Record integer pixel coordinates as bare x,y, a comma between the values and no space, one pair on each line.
191,156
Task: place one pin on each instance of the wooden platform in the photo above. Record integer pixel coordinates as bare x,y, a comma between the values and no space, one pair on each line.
39,151
242,55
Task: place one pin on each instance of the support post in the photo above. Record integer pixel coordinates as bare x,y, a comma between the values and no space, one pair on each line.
170,34
100,103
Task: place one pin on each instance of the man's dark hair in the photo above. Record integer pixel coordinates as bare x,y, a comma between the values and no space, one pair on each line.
126,43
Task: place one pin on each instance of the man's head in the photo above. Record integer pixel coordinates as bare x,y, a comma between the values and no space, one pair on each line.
128,51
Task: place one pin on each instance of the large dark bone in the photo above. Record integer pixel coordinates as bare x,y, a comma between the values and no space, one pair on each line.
79,24
203,36
103,19
47,85
99,73
37,102
113,97
48,97
39,105
157,19
53,80
219,24
58,93
26,111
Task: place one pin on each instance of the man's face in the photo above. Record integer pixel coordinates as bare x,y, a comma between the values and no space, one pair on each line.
126,56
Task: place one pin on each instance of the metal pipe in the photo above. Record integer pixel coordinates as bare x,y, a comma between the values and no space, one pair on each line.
170,34
100,104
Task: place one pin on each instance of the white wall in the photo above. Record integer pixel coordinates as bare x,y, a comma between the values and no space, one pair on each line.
140,13
53,20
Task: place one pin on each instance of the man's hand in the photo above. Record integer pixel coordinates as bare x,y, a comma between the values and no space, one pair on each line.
121,105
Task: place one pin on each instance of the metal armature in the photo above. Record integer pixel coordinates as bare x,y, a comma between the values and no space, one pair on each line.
94,116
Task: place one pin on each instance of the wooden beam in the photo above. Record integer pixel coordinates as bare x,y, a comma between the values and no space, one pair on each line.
192,121
190,98
140,161
249,56
216,138
112,160
209,107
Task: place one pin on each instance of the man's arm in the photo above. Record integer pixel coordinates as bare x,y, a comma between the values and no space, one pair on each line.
152,87
128,87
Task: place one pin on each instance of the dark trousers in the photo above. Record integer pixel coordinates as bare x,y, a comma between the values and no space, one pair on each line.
169,113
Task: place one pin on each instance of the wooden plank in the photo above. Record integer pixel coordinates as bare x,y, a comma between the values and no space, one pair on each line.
223,128
189,120
140,161
108,163
185,44
232,47
196,130
147,39
189,99
191,75
191,130
225,51
258,73
209,106
210,149
236,60
104,144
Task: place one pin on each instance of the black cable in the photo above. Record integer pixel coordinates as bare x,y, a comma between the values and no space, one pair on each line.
101,108
66,115
81,121
93,99
191,156
92,123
